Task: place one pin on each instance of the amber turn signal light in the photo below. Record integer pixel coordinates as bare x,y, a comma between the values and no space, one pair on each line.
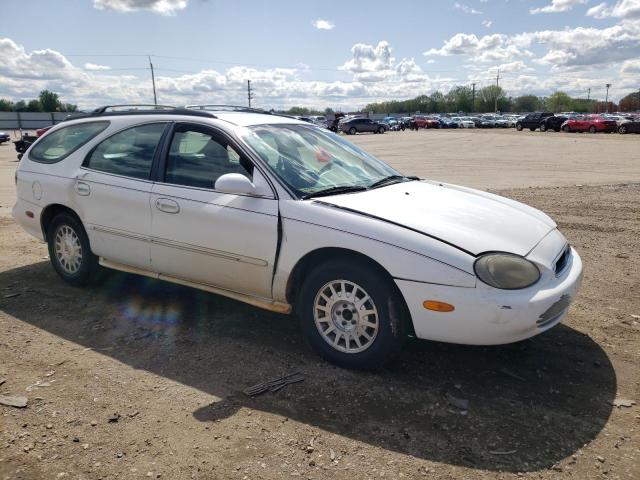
438,306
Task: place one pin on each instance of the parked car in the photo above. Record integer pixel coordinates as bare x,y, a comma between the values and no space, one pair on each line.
361,125
423,121
289,217
502,122
486,122
554,122
463,122
589,123
446,122
42,131
4,137
632,126
390,121
532,121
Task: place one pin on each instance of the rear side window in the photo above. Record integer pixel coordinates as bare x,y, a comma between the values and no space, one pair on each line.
128,153
57,145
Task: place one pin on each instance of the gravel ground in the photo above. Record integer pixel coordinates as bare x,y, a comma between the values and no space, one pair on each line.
135,378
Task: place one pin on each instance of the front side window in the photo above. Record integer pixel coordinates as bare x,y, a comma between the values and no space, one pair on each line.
197,158
309,159
128,153
56,145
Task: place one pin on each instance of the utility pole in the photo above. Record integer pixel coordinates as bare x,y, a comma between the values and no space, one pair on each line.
153,80
589,100
473,98
249,93
606,99
495,101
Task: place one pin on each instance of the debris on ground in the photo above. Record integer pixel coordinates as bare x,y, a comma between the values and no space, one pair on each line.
114,418
509,373
507,452
459,403
273,385
13,401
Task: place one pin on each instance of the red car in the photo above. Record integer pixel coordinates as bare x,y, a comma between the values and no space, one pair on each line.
426,122
589,123
42,131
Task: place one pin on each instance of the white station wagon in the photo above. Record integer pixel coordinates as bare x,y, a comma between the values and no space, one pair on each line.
289,217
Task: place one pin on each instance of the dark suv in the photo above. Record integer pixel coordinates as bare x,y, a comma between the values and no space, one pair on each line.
532,121
359,125
554,122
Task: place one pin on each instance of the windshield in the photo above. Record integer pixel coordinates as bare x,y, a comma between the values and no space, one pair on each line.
310,160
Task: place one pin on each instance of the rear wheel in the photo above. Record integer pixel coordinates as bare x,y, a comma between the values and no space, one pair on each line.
352,131
566,129
381,130
622,129
592,129
519,127
69,250
351,315
543,127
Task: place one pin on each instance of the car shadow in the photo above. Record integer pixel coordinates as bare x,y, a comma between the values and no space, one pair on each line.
530,405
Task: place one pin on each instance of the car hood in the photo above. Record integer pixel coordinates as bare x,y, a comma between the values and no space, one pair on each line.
468,219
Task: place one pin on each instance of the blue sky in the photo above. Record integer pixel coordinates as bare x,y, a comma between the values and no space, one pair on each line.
314,53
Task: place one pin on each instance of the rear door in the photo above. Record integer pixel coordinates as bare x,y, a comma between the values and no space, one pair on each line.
205,236
112,192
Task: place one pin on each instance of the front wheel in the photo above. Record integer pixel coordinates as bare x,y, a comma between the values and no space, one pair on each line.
543,128
592,129
70,252
351,315
381,130
622,130
352,131
566,129
519,127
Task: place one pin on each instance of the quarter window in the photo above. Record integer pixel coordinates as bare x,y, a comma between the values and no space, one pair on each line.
56,145
129,153
197,158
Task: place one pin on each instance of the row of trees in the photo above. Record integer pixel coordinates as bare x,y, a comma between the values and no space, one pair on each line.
47,101
463,99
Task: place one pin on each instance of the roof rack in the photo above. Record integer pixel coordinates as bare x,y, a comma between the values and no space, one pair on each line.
227,108
143,109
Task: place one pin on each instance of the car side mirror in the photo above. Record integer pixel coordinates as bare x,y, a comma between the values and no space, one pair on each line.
235,183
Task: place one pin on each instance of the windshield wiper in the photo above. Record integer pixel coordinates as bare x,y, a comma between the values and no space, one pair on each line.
391,179
335,191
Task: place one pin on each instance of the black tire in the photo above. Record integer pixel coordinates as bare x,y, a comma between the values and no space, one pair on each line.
566,129
622,129
392,316
543,127
519,127
592,129
381,130
353,131
88,268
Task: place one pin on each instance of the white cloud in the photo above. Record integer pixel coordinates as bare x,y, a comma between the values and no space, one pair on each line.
631,68
161,7
96,67
625,9
466,9
369,62
557,6
321,24
487,23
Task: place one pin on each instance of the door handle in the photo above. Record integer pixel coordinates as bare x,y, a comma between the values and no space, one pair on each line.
82,188
167,206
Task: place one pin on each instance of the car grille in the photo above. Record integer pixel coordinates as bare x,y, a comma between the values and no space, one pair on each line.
554,312
563,260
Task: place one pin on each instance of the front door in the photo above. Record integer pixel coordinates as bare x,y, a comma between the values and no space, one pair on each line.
204,236
112,191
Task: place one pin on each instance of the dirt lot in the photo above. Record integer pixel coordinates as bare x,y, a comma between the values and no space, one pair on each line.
136,378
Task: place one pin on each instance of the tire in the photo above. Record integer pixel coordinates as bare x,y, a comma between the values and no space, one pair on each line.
353,131
381,130
592,129
70,252
533,129
622,129
566,129
543,127
386,329
519,127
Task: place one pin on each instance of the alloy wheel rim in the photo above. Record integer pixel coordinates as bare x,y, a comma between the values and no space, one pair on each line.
68,249
346,316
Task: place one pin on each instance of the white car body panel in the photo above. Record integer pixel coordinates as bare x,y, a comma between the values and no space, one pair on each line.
426,235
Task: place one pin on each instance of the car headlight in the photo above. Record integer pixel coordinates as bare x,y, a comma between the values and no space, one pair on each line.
506,271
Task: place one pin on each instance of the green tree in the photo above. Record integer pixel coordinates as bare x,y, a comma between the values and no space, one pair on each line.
527,103
34,106
69,107
49,101
559,102
6,105
493,96
459,99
